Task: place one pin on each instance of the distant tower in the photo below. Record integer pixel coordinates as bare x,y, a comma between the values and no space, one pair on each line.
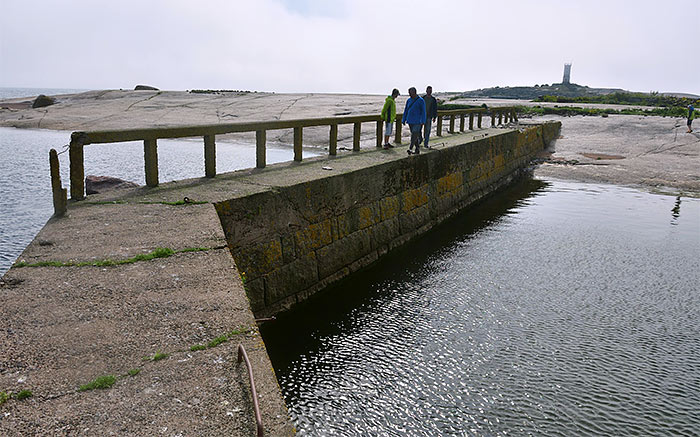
567,74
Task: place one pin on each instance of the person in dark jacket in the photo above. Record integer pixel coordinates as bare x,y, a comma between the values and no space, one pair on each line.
414,115
691,114
430,114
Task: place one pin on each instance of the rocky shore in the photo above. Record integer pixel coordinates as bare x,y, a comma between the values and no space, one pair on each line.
653,152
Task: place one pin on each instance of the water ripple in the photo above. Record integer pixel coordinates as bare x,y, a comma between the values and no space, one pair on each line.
566,316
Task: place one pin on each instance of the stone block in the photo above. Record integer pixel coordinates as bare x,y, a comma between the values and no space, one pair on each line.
414,219
334,257
384,232
255,290
312,237
291,278
389,207
288,248
258,259
415,198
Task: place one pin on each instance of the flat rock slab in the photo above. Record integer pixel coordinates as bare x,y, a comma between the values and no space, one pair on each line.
657,152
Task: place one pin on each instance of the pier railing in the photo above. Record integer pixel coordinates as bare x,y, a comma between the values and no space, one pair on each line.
150,136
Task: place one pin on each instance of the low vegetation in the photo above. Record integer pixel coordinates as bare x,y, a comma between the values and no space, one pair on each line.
620,98
159,252
100,383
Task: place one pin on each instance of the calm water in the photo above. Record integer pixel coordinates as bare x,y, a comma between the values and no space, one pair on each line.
25,183
554,309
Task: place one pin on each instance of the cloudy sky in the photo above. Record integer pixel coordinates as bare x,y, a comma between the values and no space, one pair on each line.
359,46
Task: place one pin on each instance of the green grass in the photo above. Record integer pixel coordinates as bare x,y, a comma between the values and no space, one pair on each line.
4,397
100,383
159,356
133,372
220,339
217,341
622,98
160,252
602,112
24,394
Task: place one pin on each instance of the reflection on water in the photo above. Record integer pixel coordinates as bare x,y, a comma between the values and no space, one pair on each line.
676,211
552,309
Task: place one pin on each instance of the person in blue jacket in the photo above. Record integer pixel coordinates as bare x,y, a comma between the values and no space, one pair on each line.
414,115
691,115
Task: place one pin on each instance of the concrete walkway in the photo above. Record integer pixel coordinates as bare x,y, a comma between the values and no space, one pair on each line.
63,327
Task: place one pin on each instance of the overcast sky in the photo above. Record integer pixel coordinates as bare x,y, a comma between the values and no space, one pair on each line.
358,46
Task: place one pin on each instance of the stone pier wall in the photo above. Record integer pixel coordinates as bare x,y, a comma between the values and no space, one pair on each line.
293,241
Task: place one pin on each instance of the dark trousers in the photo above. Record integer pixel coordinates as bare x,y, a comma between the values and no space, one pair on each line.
415,135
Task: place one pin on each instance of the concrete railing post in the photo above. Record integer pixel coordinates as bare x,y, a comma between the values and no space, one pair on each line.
298,138
397,135
461,123
150,160
471,121
500,117
356,137
515,114
260,150
209,156
452,124
333,141
438,128
60,194
77,169
478,121
380,133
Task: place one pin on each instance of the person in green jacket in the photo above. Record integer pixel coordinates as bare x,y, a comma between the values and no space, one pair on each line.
389,116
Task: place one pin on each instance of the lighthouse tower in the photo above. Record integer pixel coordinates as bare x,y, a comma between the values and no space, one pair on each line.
567,74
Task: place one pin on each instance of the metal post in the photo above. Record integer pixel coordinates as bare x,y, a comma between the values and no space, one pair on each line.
209,156
150,159
260,151
298,136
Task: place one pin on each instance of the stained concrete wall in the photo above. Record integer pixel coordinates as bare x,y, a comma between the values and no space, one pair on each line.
293,241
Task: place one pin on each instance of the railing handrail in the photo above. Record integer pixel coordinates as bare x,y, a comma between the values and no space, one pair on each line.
152,133
242,355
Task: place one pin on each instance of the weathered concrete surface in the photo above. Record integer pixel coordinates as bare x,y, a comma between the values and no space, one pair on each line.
65,326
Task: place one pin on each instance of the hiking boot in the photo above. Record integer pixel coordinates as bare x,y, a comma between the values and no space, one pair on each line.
417,152
409,152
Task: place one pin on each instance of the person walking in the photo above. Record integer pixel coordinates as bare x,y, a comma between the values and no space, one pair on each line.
430,114
389,116
414,115
691,115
